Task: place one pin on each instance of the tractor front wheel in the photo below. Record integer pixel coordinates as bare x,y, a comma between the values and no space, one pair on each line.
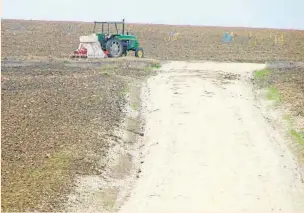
115,47
139,53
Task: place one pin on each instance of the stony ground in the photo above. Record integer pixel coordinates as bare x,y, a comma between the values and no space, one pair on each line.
56,117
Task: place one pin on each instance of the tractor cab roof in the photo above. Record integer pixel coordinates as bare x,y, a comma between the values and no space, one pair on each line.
105,26
108,22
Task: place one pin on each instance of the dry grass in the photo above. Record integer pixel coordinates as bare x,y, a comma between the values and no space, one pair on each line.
42,38
55,118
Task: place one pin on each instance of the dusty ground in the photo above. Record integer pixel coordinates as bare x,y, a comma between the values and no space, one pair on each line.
58,39
57,118
209,148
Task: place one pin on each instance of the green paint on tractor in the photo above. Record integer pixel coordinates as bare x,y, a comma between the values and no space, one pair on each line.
131,40
117,43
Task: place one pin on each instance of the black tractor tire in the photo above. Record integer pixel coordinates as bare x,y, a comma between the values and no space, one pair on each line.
115,52
139,52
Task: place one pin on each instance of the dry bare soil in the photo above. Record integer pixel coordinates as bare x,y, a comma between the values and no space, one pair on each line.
57,116
58,39
56,121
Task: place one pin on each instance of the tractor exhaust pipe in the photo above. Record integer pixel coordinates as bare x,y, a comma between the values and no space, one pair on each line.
123,26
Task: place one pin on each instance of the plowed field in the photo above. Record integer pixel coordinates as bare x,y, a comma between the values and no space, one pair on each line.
58,39
57,116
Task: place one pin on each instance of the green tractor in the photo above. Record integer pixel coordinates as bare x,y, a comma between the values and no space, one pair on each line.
115,44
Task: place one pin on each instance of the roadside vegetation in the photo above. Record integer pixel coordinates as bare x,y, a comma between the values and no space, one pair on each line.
285,87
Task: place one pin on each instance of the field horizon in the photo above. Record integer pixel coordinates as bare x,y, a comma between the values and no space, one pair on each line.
160,24
60,38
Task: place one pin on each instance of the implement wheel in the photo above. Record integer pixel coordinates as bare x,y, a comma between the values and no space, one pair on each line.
139,53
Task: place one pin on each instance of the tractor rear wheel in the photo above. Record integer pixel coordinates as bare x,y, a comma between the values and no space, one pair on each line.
115,47
139,53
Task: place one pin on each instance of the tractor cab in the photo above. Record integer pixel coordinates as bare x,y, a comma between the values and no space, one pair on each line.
107,30
113,39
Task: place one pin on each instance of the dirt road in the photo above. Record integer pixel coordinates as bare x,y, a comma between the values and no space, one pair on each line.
208,147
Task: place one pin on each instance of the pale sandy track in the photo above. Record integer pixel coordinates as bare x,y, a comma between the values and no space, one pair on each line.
209,149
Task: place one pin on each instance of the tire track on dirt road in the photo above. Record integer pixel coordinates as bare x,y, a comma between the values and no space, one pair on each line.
213,150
